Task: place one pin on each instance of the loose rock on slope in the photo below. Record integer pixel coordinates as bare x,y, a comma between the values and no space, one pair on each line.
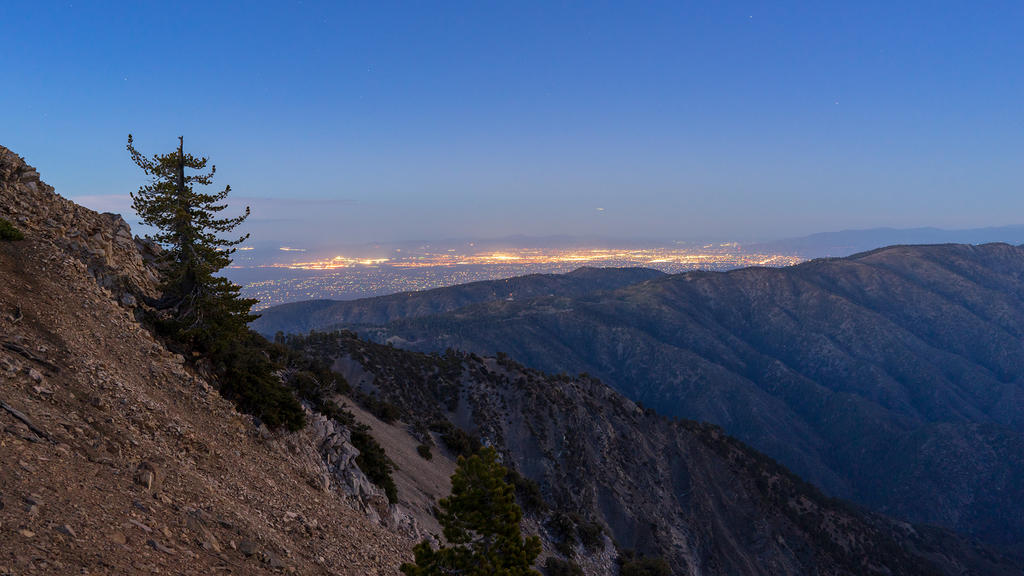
116,457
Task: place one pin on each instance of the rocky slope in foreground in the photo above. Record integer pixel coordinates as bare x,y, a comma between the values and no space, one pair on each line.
679,489
894,378
117,458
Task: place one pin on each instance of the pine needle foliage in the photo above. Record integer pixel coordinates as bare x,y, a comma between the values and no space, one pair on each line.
199,311
190,230
481,524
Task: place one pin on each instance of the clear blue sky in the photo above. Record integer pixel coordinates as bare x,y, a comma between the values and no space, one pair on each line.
358,122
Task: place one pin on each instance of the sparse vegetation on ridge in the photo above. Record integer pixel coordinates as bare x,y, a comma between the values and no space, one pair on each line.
564,427
9,232
558,567
632,564
316,383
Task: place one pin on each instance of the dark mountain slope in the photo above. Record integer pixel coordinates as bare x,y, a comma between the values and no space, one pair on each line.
301,317
680,489
892,377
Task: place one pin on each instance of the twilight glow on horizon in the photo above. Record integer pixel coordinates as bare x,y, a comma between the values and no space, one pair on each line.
345,122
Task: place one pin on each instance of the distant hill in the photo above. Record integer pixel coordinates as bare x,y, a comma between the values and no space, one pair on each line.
847,242
893,377
301,317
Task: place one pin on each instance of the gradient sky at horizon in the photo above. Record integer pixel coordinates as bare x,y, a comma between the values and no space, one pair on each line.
346,122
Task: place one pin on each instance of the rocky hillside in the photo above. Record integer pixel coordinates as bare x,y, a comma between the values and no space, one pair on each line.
678,489
102,242
119,459
301,317
894,378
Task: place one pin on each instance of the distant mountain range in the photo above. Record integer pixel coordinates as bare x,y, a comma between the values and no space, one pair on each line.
848,242
892,377
301,317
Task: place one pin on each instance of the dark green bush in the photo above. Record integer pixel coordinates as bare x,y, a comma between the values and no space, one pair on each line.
424,451
421,432
246,375
569,529
306,385
456,439
557,567
9,232
373,461
461,443
591,535
382,409
331,410
632,564
527,492
563,529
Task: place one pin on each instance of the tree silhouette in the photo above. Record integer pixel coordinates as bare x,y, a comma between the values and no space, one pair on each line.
481,523
204,308
198,310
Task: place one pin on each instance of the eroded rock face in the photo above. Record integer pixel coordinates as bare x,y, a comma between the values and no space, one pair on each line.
324,452
334,443
122,264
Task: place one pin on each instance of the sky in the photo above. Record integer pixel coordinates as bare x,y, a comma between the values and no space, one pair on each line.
352,122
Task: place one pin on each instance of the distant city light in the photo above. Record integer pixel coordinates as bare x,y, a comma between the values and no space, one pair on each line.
344,276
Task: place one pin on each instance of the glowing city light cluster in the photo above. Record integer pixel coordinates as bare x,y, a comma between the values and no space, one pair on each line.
335,263
654,257
349,276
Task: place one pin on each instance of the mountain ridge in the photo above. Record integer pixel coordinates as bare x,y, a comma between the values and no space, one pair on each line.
300,317
681,489
880,347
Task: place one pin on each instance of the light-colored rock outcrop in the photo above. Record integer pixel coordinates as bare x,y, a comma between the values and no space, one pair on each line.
120,263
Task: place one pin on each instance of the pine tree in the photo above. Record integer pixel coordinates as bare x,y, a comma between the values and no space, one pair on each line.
204,309
481,523
198,310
